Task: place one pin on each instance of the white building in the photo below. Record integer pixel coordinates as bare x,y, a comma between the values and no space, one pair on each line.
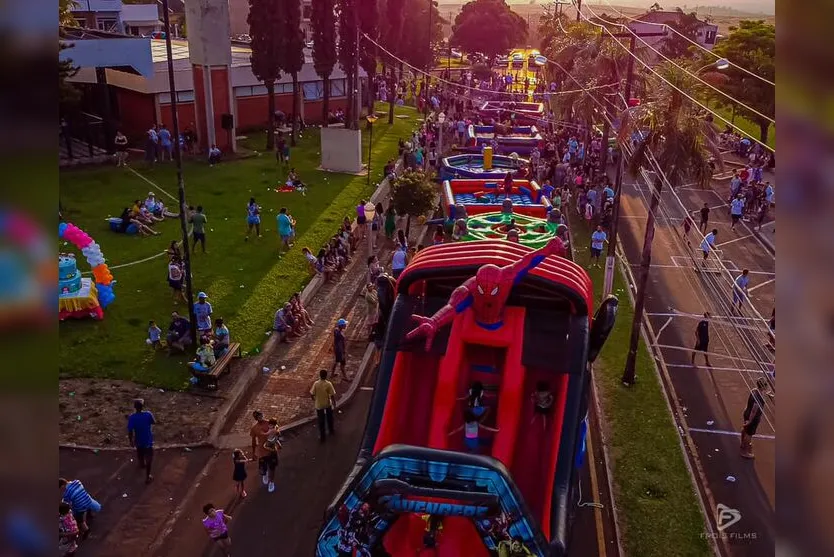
657,22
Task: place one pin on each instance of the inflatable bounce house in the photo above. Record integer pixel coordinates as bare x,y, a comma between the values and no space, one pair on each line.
532,231
80,297
485,166
452,458
525,112
519,139
486,196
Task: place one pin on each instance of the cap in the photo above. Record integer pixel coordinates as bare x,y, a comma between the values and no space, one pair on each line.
151,194
202,295
342,322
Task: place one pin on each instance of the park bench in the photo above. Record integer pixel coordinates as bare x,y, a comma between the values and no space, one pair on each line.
208,379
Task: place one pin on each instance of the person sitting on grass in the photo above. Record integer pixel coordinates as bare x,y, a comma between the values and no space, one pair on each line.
143,214
127,219
205,356
179,333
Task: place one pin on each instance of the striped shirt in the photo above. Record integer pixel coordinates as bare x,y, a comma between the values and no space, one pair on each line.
77,497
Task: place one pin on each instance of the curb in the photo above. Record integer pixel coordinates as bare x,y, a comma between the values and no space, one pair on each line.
765,240
687,445
74,447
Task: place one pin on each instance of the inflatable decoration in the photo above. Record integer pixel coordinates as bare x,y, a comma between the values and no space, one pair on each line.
82,297
474,329
532,231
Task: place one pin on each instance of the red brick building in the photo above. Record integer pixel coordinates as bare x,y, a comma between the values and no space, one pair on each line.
139,101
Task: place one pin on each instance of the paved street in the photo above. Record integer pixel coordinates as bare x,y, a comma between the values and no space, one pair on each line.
286,523
713,400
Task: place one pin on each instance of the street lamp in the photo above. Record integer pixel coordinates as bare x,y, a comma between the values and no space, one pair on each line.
441,119
371,119
720,64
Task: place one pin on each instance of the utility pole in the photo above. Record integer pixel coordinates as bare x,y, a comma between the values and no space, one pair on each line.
427,79
608,281
175,130
578,10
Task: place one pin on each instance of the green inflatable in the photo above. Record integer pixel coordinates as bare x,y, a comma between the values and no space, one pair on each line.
532,231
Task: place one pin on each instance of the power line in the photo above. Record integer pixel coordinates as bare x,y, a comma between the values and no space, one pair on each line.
681,91
702,47
693,74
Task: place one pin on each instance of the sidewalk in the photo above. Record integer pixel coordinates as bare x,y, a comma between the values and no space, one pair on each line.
284,394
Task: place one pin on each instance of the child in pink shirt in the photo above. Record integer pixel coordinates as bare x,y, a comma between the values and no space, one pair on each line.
216,524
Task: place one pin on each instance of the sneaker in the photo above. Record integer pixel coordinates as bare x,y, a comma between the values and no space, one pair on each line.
264,479
271,487
243,494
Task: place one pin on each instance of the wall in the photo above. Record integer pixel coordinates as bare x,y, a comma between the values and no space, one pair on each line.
136,114
253,112
185,111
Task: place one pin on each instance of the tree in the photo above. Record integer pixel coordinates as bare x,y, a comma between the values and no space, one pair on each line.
489,27
549,24
686,25
264,16
369,25
291,53
413,38
751,45
347,54
391,39
65,16
677,135
412,194
323,18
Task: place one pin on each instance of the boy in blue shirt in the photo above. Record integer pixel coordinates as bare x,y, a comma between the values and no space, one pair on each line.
736,210
140,433
598,238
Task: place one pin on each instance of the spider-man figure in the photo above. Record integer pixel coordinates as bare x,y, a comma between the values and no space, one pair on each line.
486,293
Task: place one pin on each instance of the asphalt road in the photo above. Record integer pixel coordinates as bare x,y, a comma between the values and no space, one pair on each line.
286,523
712,400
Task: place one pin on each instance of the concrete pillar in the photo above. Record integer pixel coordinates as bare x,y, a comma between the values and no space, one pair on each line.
210,51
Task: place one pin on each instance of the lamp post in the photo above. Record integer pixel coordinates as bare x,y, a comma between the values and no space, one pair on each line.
175,130
371,119
720,64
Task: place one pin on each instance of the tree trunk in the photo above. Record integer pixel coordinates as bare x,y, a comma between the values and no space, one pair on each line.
349,99
764,128
629,374
270,103
295,98
392,97
407,226
603,155
325,104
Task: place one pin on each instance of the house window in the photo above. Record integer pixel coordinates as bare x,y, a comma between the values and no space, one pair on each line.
710,38
307,11
182,97
337,87
81,22
313,90
107,24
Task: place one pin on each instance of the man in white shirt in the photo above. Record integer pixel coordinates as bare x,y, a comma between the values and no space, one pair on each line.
709,242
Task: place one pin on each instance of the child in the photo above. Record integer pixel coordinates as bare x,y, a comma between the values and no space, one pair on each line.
154,334
471,428
438,236
273,440
371,307
542,402
239,475
216,524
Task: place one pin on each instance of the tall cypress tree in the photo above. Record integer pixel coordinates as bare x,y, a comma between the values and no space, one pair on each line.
264,17
369,25
324,46
348,21
291,53
390,39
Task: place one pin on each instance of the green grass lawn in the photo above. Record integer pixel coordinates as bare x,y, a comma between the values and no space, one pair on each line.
749,127
657,504
245,281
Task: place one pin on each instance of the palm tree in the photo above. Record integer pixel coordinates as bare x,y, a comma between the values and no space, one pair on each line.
681,141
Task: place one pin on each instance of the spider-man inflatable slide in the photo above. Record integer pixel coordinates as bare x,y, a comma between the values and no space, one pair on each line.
476,433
